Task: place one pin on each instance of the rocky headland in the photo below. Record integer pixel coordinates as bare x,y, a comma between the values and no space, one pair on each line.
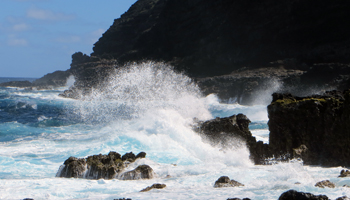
235,49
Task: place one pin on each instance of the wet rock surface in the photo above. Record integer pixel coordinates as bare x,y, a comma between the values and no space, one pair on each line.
154,186
344,173
324,184
141,172
224,181
231,132
294,195
105,166
314,128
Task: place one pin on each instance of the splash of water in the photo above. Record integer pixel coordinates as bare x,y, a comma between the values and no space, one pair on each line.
131,91
150,107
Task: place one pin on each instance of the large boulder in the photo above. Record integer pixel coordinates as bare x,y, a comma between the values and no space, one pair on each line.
140,172
234,130
98,166
325,183
294,195
315,128
224,181
344,173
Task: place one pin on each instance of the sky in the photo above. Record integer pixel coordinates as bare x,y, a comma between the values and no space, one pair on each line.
39,36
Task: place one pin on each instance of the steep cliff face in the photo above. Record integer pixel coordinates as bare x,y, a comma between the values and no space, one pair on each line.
208,38
315,128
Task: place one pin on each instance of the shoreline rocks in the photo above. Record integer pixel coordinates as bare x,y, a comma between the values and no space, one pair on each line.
324,184
224,181
234,131
314,128
344,173
294,195
106,167
154,186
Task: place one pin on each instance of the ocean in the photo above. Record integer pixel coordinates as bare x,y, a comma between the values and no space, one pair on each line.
142,108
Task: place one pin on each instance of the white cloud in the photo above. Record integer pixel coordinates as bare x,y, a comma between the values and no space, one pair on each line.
41,14
20,27
14,41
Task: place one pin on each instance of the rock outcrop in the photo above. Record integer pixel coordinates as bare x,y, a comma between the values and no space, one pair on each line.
140,172
294,195
325,183
224,181
105,166
315,128
344,173
232,48
154,186
234,130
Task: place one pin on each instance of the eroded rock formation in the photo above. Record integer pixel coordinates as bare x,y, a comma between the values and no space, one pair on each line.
315,128
106,167
234,131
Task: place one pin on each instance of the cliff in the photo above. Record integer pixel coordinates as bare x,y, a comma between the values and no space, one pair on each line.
226,44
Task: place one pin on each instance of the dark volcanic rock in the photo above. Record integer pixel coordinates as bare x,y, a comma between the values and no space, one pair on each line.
224,181
99,166
294,195
233,48
323,184
141,172
154,186
344,173
207,38
315,128
233,130
238,199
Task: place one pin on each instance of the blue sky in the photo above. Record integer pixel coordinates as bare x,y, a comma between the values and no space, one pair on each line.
39,36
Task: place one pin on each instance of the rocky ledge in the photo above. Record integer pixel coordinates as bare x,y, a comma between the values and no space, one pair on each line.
108,166
315,128
234,131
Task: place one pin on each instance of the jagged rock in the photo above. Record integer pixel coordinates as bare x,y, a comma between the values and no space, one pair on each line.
326,183
154,186
314,128
129,156
224,181
97,166
238,199
343,198
141,172
234,128
123,199
73,167
313,55
344,173
141,155
294,195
